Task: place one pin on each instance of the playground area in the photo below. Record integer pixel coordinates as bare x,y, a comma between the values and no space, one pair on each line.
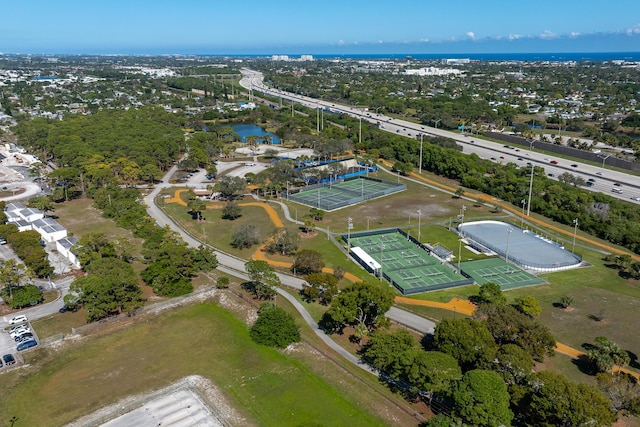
495,270
408,267
338,194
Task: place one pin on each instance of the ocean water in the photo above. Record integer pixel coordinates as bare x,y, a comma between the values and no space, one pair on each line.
553,56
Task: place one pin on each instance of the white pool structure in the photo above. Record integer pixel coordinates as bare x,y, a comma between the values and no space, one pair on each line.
521,247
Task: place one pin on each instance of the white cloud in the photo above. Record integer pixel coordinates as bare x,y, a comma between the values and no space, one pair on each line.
548,35
573,34
340,42
471,35
514,36
633,30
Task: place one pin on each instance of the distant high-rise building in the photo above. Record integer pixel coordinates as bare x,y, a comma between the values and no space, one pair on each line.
279,57
306,57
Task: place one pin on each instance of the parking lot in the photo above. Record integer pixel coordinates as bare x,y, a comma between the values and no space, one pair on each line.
8,344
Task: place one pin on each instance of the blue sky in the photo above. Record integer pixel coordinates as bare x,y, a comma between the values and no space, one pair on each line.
330,26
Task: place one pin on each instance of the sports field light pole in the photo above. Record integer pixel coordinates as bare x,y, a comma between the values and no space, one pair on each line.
459,254
409,228
349,227
530,191
506,257
381,248
523,201
360,130
575,230
462,211
419,218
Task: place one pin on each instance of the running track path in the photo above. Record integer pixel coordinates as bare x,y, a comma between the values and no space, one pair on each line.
516,212
455,304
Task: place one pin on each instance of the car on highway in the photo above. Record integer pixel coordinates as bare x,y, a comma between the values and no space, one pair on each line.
494,159
590,183
26,345
616,190
521,159
617,184
8,359
591,180
554,162
599,173
574,165
18,319
550,175
636,198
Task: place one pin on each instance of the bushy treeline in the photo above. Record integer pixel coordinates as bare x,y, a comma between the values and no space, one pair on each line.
482,370
95,144
27,246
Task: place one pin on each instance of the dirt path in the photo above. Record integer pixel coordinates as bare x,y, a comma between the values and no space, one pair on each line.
455,304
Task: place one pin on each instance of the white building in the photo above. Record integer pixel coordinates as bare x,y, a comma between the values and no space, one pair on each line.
433,71
49,229
64,245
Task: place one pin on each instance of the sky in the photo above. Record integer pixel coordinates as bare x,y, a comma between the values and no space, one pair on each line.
314,27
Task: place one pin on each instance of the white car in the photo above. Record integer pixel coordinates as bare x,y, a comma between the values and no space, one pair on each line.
19,331
636,198
18,319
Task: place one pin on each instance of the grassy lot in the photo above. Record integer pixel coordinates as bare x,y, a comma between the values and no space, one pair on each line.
269,387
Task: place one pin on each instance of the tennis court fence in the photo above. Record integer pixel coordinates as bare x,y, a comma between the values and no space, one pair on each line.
352,196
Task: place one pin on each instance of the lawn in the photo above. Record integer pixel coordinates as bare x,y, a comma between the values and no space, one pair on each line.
269,387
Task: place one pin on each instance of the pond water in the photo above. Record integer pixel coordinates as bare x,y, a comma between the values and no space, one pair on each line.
247,130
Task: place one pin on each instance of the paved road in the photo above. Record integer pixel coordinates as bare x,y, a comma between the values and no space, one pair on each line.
604,178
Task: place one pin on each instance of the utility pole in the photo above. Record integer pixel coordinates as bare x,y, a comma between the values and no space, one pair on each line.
420,160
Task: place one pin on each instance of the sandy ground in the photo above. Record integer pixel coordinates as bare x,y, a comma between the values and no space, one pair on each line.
15,181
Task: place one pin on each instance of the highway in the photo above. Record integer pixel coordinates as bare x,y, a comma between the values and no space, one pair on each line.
604,179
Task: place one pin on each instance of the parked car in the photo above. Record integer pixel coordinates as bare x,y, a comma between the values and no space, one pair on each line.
18,319
26,345
63,309
19,331
8,359
24,338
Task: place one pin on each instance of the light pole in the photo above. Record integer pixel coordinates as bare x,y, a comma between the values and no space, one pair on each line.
575,230
349,227
506,256
381,248
436,122
420,160
530,190
523,202
360,129
604,159
459,253
419,218
462,211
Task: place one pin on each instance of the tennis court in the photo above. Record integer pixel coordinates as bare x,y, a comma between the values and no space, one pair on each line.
335,195
408,267
495,270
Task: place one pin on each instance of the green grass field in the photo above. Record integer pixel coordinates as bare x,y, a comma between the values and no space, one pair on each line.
265,385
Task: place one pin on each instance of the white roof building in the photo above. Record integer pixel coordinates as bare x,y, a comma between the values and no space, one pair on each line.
64,246
49,229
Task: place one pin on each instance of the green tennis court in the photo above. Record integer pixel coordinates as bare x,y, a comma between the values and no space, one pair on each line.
335,195
408,267
507,276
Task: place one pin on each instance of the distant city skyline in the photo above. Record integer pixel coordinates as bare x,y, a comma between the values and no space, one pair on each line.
330,27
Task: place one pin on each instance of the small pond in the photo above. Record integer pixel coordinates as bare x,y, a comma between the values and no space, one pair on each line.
248,130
